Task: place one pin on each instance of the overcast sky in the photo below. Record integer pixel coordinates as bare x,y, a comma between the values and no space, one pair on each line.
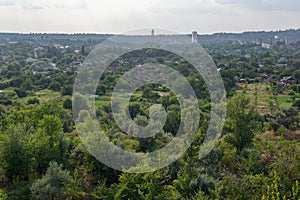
118,16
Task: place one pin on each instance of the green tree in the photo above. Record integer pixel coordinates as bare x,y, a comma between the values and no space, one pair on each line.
21,92
275,192
14,66
243,187
74,189
48,143
33,101
15,152
138,186
55,86
67,104
27,84
66,90
296,75
192,179
52,184
239,116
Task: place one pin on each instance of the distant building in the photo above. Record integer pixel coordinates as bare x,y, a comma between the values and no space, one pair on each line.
152,32
266,45
242,80
281,60
59,46
281,65
260,64
287,42
248,56
288,80
194,37
30,60
257,41
74,65
294,59
38,51
43,73
264,77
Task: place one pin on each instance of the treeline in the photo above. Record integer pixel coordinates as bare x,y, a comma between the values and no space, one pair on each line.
42,157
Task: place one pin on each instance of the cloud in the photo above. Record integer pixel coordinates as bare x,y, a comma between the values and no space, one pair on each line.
73,4
117,16
53,4
187,6
279,5
7,2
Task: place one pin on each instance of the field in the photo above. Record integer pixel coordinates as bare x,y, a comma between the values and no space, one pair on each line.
284,101
260,96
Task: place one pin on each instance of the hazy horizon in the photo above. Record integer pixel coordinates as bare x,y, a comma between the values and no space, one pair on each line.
108,33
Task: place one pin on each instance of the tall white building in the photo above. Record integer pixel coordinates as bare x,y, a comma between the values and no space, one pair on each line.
287,42
194,37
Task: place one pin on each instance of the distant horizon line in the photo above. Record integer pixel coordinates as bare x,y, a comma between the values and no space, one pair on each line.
99,33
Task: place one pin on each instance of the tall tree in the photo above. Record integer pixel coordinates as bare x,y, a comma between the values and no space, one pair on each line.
52,184
15,153
239,116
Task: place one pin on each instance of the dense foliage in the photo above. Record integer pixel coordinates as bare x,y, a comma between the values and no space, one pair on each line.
42,156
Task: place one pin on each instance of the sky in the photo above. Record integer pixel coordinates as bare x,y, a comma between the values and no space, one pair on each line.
119,16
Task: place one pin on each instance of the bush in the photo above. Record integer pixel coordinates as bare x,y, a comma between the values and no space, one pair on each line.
33,101
55,86
67,104
281,130
3,196
21,93
291,93
52,184
296,103
4,84
67,90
